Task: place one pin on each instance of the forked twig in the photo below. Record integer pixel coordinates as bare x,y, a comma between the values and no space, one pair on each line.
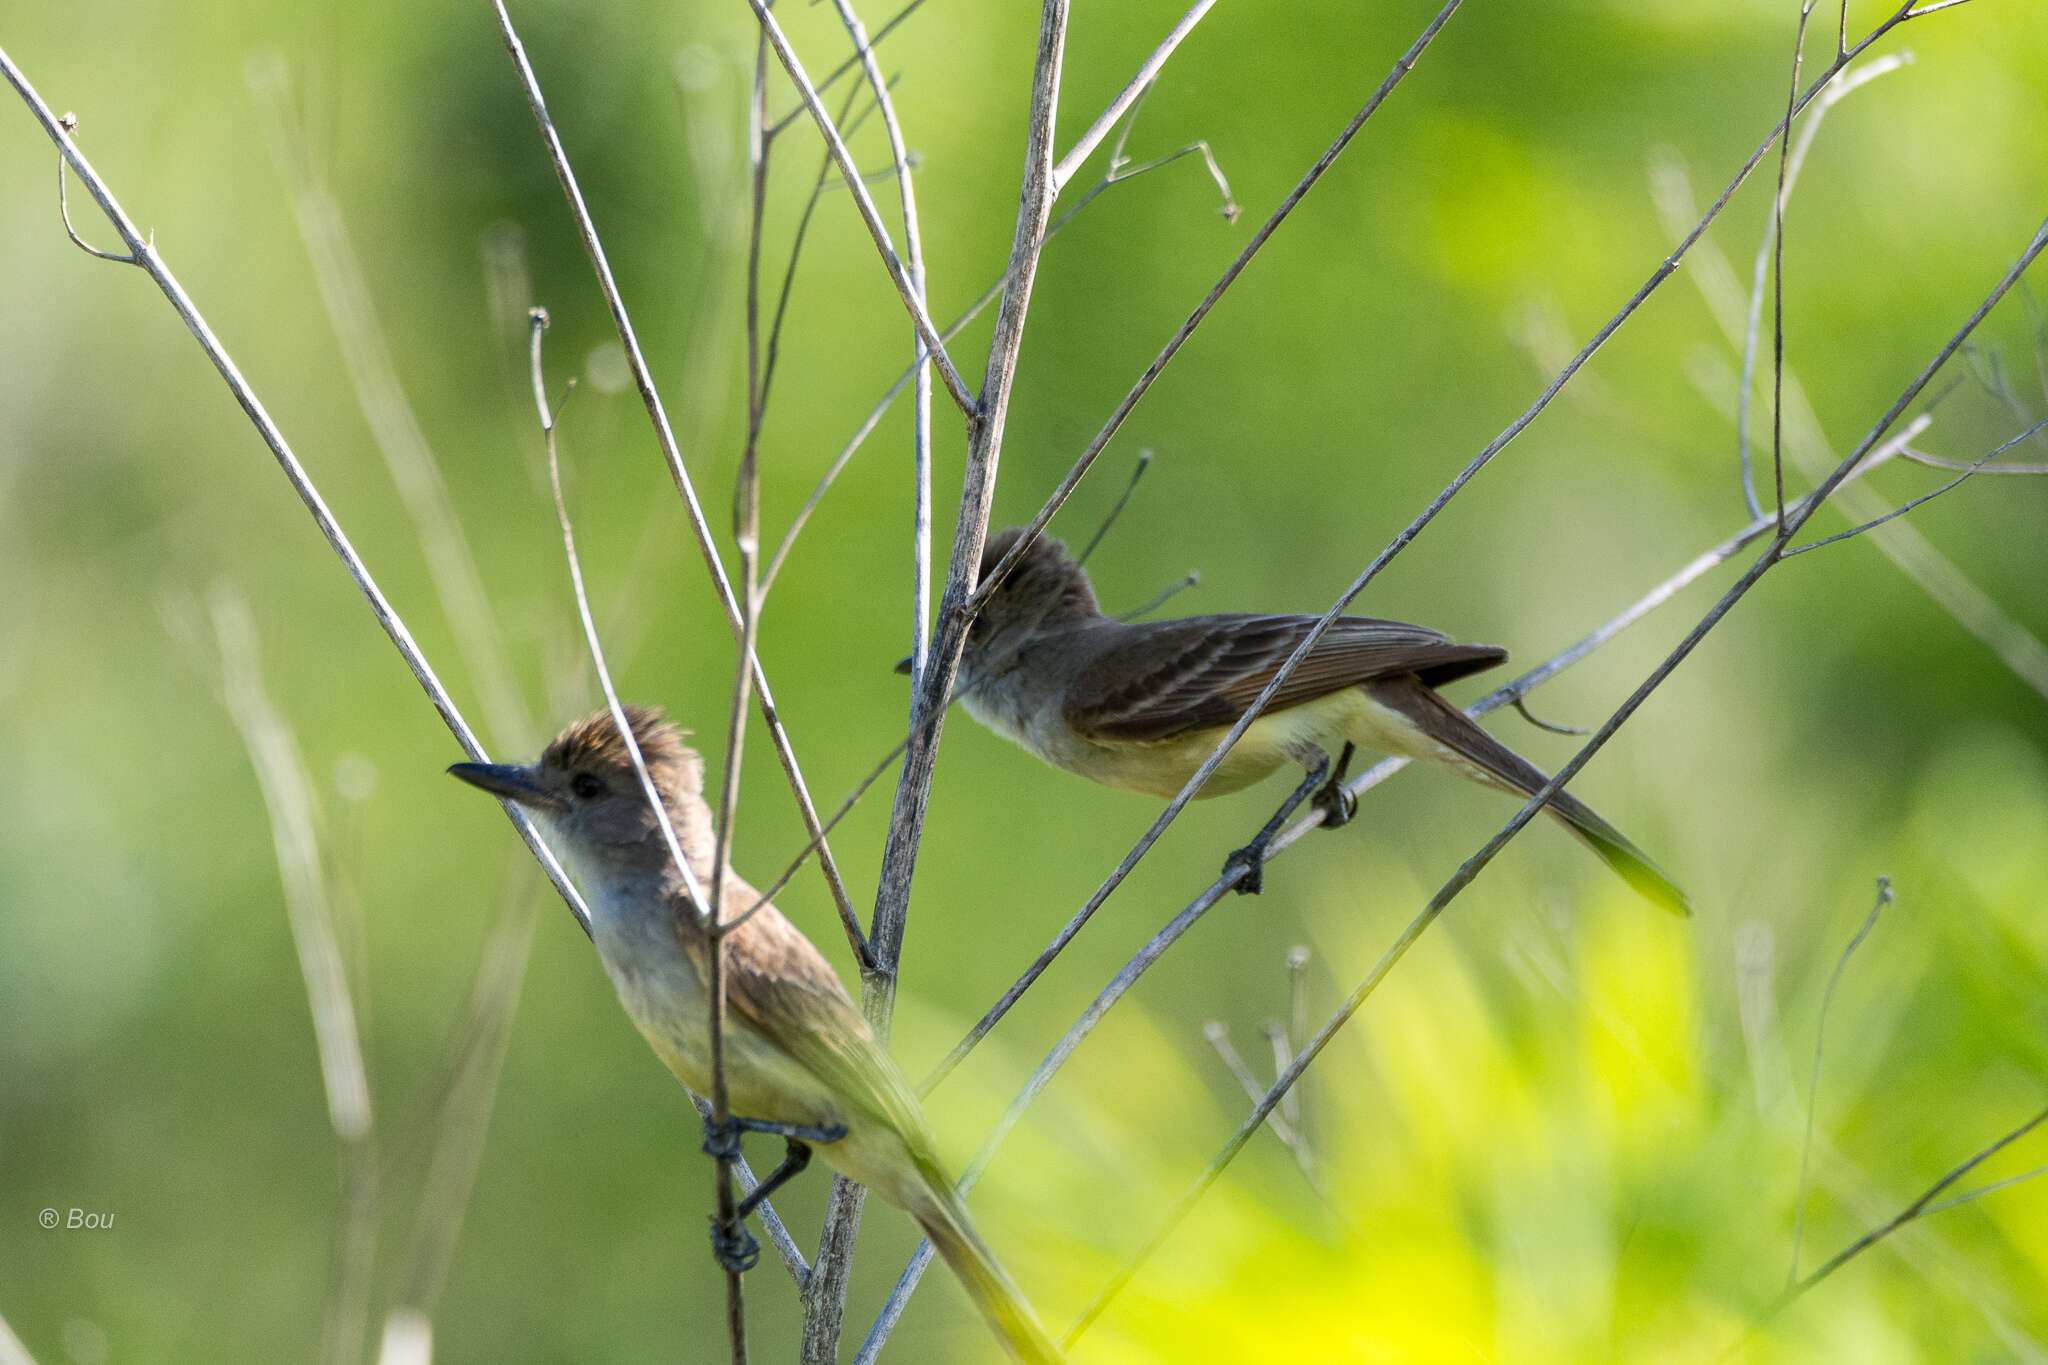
1827,999
146,257
657,412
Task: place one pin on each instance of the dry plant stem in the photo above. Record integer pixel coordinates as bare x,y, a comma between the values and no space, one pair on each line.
1241,1072
747,539
855,185
396,430
1929,496
1402,67
1778,266
145,256
698,903
921,398
706,909
672,455
1543,400
1829,96
1773,554
831,77
1117,173
310,910
1919,1208
825,1306
1910,551
1086,144
1827,1000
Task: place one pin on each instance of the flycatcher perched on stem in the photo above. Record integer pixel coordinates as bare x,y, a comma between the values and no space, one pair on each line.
799,1059
1140,705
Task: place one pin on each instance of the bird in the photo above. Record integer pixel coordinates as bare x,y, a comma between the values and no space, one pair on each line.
1140,705
799,1059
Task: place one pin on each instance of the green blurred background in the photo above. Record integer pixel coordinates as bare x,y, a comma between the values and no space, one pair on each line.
1566,1131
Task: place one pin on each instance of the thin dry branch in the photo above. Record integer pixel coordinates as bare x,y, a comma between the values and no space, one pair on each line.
1402,67
910,293
1827,1000
825,1308
366,357
145,256
1116,174
643,379
1919,1208
1148,71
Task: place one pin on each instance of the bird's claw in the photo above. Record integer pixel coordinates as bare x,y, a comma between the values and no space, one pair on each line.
1252,858
1337,804
733,1247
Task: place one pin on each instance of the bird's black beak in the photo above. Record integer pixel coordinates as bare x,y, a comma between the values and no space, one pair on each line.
903,665
512,781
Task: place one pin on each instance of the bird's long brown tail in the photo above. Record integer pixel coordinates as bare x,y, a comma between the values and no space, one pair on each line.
1444,723
945,1221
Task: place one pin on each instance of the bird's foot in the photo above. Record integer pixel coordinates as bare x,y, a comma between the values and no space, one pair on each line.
733,1247
722,1140
1336,803
1252,858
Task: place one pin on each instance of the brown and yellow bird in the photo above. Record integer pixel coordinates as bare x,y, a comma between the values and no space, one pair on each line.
1140,705
798,1055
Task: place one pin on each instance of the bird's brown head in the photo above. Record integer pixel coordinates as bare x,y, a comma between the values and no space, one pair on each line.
584,792
1046,588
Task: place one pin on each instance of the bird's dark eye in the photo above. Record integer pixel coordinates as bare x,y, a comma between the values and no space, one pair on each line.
587,785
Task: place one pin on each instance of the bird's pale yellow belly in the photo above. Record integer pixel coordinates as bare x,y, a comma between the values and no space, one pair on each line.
1277,739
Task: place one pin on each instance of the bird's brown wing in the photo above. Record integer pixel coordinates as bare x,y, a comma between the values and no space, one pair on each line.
780,984
1165,678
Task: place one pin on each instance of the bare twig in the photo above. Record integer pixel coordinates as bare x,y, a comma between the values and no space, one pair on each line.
539,323
70,125
146,256
1522,708
657,414
1908,506
898,273
379,394
1193,579
1914,555
1778,266
921,390
1827,999
1234,1063
1402,67
929,696
1919,1208
1148,71
832,77
1830,95
1117,173
1116,508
